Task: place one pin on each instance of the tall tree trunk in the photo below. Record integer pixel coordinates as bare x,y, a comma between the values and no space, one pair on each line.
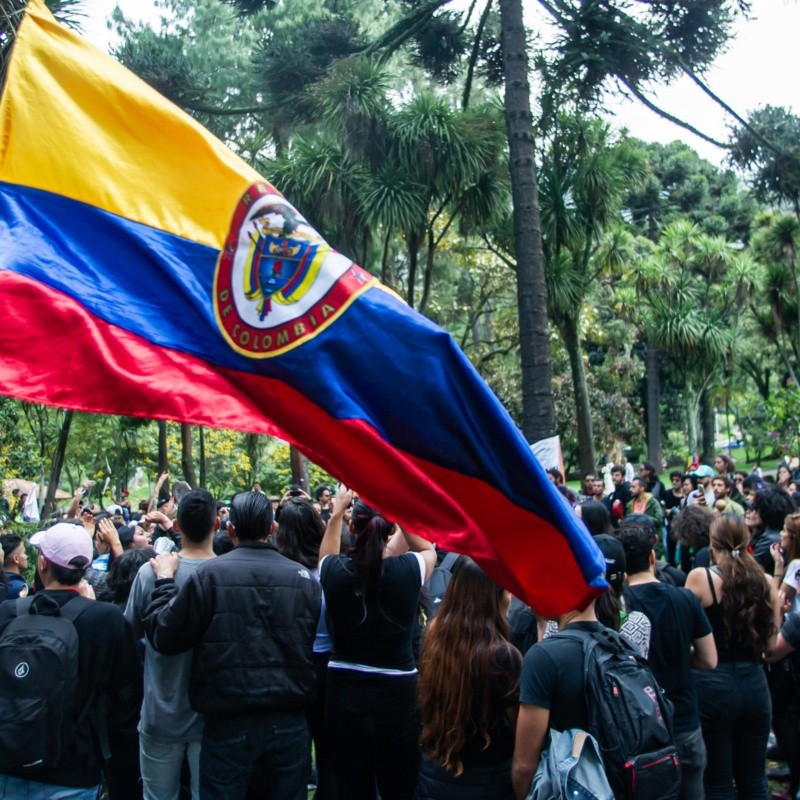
202,457
709,423
653,407
412,245
428,276
187,457
538,409
299,469
251,448
58,463
583,412
163,458
691,418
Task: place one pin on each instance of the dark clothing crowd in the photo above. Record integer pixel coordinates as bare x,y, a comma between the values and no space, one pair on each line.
290,648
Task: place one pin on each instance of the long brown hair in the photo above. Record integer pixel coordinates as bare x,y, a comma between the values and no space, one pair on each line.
461,655
792,525
746,600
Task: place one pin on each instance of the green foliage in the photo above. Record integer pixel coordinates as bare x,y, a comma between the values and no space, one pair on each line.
635,43
768,149
681,185
14,455
276,476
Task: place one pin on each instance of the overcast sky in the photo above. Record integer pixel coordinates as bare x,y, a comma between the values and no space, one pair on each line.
761,66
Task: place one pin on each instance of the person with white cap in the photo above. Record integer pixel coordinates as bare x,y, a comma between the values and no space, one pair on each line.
705,475
100,672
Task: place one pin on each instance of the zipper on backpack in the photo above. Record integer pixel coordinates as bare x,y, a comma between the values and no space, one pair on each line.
669,757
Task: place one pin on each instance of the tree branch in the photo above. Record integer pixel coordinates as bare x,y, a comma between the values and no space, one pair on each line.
671,118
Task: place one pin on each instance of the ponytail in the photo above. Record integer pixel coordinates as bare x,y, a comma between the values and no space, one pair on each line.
372,531
746,601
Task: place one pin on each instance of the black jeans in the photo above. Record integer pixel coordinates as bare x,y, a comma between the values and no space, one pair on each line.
475,783
735,711
269,753
315,714
374,731
692,753
786,717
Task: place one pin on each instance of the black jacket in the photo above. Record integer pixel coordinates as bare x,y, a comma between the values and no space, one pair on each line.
251,616
761,549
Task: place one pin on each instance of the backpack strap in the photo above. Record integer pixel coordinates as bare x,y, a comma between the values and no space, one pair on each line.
71,610
448,561
23,605
75,606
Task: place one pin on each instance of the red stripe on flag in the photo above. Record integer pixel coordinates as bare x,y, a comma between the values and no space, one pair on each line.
47,338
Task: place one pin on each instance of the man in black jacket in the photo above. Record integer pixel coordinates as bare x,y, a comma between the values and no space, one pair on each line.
251,616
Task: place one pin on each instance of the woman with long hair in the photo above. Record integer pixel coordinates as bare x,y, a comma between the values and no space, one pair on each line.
299,536
783,477
744,611
372,600
468,692
724,465
595,516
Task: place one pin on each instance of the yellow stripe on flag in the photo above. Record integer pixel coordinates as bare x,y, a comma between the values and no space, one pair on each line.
76,123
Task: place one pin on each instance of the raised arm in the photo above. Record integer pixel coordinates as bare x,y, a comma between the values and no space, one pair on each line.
416,544
331,541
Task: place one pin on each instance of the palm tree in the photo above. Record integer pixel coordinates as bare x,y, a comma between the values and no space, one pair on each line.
584,177
692,291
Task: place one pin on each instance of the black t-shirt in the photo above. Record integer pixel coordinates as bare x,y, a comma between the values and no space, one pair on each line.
503,694
671,501
677,619
552,677
377,633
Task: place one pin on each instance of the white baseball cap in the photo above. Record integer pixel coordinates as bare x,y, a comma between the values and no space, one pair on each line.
68,546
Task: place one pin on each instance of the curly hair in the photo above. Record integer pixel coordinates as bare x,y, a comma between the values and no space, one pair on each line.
746,600
692,526
466,649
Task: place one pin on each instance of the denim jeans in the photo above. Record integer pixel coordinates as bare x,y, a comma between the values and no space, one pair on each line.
269,752
735,711
22,789
161,762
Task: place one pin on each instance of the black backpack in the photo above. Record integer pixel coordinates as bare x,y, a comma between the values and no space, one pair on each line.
39,683
630,717
440,577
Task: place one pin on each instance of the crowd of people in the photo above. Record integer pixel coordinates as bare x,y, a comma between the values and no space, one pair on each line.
259,648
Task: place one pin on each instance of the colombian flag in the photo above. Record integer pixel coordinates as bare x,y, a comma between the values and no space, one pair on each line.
146,270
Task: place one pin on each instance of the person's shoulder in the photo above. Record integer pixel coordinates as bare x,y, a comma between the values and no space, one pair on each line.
101,618
506,657
554,647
